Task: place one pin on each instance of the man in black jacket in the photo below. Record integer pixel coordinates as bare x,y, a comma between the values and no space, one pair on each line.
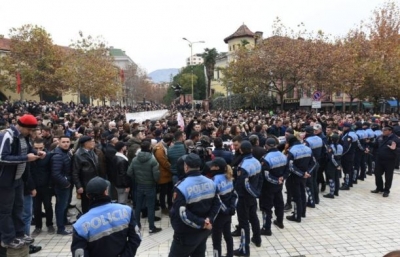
85,166
387,148
61,178
41,174
219,151
257,150
121,179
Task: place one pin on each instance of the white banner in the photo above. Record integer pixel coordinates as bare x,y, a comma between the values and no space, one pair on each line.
142,116
180,120
316,104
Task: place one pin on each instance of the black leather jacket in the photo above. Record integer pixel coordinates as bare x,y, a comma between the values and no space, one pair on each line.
85,167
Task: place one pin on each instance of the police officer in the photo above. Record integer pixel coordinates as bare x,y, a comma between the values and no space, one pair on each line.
223,177
274,170
372,151
333,168
346,141
316,144
359,157
248,186
370,137
301,164
195,207
387,148
107,229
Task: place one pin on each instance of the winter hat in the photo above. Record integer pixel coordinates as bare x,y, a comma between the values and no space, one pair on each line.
27,121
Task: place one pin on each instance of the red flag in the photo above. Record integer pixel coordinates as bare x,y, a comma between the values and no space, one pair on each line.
122,75
18,83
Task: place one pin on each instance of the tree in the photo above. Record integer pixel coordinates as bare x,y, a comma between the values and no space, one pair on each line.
209,57
89,70
34,56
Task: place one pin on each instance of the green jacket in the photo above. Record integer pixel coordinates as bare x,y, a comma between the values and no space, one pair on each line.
144,169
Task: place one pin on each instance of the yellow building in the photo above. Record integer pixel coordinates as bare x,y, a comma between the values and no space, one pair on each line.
242,36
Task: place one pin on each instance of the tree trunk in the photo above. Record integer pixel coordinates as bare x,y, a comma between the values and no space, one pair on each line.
281,99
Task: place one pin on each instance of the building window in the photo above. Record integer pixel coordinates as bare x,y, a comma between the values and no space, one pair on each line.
290,93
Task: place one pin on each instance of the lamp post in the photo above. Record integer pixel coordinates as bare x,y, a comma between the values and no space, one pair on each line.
191,63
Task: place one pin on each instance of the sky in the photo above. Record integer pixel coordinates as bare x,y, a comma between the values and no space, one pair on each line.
151,31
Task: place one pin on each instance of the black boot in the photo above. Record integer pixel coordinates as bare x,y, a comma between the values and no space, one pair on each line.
323,187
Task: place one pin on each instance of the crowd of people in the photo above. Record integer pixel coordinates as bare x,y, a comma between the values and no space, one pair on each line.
199,168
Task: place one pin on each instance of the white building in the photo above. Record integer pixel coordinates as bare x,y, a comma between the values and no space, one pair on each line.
195,60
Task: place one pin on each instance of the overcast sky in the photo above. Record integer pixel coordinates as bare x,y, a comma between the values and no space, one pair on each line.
151,31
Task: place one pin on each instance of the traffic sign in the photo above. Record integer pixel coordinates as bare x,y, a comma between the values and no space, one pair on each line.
317,96
316,104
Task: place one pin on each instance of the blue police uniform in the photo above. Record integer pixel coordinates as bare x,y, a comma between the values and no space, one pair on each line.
248,186
108,229
359,157
368,157
333,168
300,161
222,224
348,141
316,144
194,200
274,166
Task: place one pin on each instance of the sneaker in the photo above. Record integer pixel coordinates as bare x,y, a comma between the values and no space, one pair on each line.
64,233
257,244
15,244
266,232
36,232
155,230
329,196
157,218
34,249
239,252
292,218
279,225
26,239
51,230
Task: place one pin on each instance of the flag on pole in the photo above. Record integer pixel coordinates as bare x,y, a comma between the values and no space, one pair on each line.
18,83
122,75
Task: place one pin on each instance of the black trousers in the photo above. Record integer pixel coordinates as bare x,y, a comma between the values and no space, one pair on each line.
384,167
85,203
312,187
347,166
333,176
247,214
166,191
185,245
271,197
289,194
222,226
43,196
299,195
359,165
322,167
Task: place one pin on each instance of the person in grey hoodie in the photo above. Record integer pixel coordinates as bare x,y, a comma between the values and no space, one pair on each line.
144,170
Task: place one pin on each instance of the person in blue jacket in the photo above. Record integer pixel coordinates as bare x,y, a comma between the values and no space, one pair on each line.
333,167
194,209
107,229
223,180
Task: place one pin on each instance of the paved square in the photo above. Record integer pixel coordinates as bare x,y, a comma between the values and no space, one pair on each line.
357,223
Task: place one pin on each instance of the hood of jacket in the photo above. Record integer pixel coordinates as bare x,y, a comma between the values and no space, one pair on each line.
133,141
144,156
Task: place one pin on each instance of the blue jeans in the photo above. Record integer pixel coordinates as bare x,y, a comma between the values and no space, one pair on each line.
146,193
62,196
27,214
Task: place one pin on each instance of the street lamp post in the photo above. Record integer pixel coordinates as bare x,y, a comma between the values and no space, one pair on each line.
191,63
